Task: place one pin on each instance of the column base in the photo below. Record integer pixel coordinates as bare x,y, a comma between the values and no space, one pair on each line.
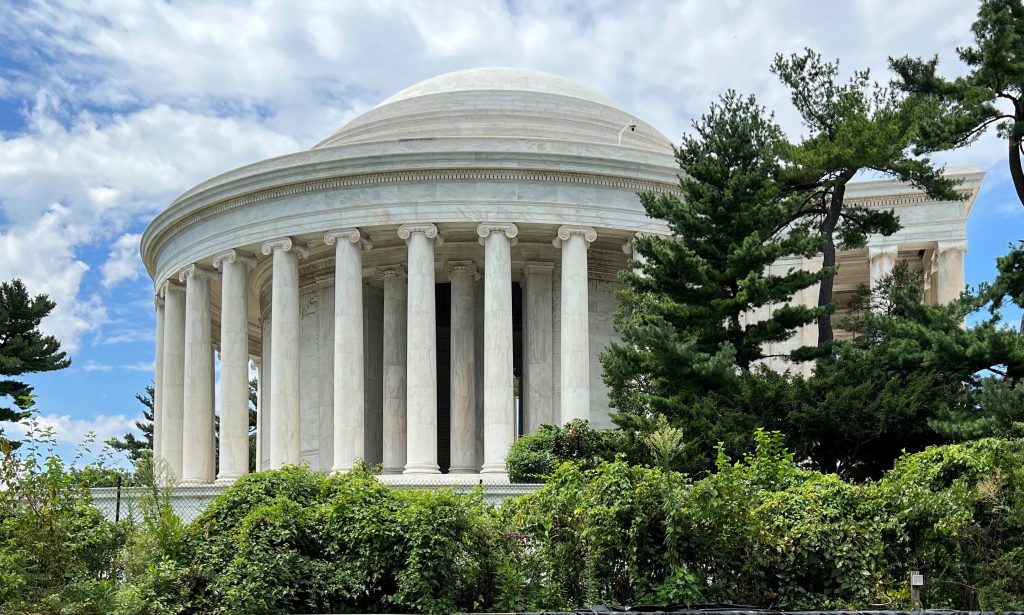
341,469
493,468
397,470
194,482
465,470
227,480
421,468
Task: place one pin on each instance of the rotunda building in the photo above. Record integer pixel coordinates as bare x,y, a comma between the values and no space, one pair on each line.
425,285
436,279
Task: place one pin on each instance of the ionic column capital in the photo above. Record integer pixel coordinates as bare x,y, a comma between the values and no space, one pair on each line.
195,270
959,245
484,230
428,230
168,285
588,233
285,244
158,299
883,250
453,269
351,235
531,268
255,363
390,271
233,256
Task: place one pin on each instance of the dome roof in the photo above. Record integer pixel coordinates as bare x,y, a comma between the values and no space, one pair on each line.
499,103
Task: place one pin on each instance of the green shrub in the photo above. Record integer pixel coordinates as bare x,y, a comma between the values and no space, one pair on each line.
295,540
758,531
535,456
56,550
958,514
598,537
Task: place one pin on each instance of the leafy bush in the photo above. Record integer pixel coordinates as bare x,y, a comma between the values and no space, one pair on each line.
537,455
598,535
296,540
959,515
56,550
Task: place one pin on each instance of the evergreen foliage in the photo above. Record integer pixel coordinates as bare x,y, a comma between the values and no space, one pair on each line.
991,93
683,318
137,448
853,127
24,349
908,335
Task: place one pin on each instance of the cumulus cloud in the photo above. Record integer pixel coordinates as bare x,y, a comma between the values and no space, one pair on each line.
123,262
67,430
129,103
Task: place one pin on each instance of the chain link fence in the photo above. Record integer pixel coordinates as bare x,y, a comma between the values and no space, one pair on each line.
123,501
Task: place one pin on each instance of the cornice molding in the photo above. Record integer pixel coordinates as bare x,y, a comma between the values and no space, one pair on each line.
901,200
221,206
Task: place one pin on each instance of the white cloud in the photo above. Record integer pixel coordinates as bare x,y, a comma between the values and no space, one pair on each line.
95,366
137,366
123,263
137,101
67,430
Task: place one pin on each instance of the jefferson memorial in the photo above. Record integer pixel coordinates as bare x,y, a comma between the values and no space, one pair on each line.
435,279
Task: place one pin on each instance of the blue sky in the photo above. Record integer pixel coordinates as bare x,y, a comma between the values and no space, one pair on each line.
110,108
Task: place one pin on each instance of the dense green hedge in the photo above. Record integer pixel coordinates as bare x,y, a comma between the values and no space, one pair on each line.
758,531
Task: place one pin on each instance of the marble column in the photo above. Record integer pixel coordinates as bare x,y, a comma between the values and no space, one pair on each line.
394,420
349,380
575,326
197,467
463,274
158,394
538,398
499,392
881,260
257,366
173,375
285,446
950,275
421,350
234,364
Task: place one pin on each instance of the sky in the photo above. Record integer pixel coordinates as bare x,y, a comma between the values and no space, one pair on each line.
111,108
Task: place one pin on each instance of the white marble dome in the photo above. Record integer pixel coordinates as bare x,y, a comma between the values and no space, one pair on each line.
433,281
499,103
417,290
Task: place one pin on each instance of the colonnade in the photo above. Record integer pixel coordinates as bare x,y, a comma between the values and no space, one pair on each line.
944,275
184,417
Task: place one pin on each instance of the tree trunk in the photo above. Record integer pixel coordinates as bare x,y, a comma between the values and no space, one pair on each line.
1016,173
828,250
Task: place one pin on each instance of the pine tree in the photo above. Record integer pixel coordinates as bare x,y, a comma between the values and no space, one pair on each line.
137,449
991,93
909,335
134,447
854,127
24,349
683,318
